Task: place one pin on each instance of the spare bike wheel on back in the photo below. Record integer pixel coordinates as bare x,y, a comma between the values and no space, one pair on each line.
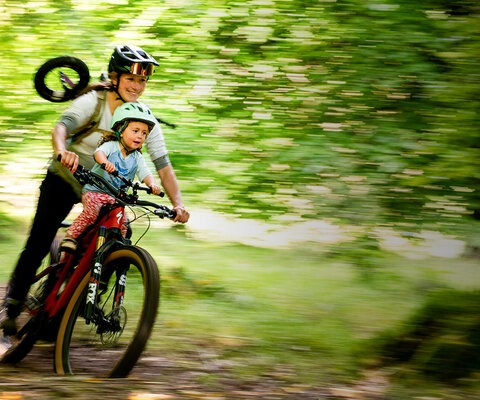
61,79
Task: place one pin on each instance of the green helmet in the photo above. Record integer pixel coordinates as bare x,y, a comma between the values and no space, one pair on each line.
131,112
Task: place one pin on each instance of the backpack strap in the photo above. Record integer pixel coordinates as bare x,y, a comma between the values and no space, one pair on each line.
92,125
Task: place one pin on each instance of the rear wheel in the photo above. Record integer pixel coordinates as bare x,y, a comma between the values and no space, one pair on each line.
23,342
32,324
111,344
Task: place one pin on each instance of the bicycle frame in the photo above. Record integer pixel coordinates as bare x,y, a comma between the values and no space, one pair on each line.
92,246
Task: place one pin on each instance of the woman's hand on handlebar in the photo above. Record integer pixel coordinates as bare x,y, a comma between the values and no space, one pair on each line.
182,214
69,159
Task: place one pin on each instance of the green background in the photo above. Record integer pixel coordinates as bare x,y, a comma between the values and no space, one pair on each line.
328,152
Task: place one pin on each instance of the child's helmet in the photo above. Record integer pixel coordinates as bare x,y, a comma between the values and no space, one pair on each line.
132,60
132,112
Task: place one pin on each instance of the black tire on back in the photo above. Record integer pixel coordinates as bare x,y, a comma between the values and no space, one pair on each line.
51,90
81,349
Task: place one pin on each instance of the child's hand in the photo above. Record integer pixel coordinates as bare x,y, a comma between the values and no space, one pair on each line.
109,167
155,188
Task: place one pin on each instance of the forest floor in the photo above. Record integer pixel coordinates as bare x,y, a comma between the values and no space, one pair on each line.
172,376
175,374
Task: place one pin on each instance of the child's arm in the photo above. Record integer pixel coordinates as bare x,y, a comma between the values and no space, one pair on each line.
101,158
150,182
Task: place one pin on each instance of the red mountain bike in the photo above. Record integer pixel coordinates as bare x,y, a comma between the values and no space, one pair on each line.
99,305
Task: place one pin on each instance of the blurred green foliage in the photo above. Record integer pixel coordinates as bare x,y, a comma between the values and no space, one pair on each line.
363,111
343,108
441,340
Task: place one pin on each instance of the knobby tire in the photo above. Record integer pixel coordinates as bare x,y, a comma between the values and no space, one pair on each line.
79,348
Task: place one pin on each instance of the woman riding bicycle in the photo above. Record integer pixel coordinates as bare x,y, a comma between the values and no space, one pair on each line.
75,138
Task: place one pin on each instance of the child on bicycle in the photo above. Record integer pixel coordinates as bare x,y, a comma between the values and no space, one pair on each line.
120,151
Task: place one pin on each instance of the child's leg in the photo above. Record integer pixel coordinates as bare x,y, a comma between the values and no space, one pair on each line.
92,203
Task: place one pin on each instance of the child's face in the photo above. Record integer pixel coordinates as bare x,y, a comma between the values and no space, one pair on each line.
134,135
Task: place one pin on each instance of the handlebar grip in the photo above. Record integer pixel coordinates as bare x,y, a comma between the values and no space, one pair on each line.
149,191
114,173
164,211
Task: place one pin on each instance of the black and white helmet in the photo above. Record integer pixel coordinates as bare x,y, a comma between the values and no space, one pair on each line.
131,60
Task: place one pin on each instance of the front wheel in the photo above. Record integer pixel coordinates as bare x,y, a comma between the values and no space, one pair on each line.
111,344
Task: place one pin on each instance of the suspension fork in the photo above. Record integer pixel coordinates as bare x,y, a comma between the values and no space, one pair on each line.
121,283
103,247
95,275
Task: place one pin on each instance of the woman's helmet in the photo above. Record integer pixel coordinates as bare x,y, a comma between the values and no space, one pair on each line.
132,60
131,112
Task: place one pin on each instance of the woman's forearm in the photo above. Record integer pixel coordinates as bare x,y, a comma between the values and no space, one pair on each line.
59,139
170,184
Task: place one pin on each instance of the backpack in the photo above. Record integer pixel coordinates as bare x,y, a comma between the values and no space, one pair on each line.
92,125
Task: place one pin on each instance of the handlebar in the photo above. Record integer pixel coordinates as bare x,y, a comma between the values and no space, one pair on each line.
84,175
129,183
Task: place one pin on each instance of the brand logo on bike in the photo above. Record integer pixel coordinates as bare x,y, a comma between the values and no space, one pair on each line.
92,285
119,217
91,293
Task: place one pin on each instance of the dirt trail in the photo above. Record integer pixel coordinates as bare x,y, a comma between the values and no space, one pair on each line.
176,375
154,377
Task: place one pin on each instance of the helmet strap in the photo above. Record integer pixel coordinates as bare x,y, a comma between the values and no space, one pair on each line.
123,145
115,88
119,131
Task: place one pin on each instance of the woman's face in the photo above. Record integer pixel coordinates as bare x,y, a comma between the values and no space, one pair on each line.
130,87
